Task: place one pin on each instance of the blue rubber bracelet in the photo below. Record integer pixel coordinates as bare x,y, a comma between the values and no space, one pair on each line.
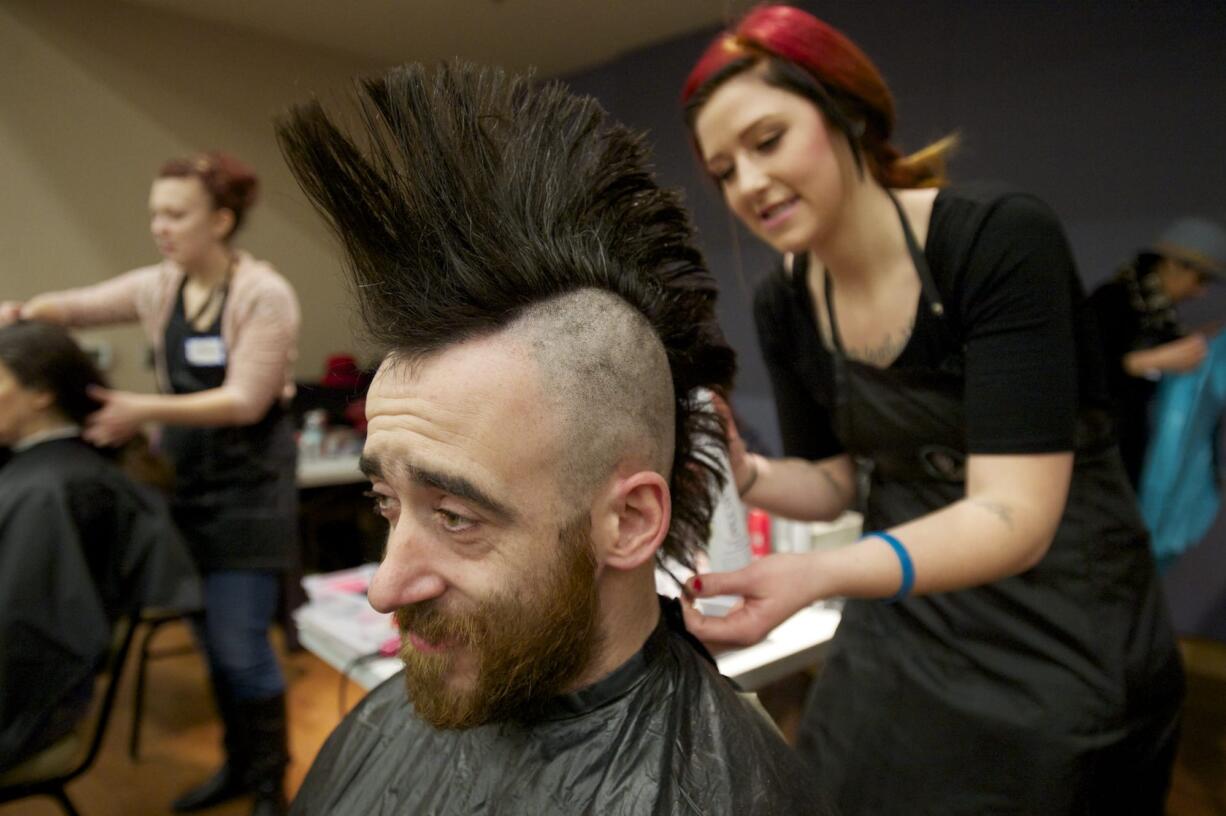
904,561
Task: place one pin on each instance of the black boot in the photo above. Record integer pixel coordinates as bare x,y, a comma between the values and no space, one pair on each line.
270,804
230,780
268,754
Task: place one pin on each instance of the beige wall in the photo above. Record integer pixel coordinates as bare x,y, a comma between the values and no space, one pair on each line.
94,96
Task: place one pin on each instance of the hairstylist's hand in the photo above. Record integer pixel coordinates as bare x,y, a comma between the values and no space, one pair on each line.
116,421
1184,354
10,311
1178,356
773,589
738,457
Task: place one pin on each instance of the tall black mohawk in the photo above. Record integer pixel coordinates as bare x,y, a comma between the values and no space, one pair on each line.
477,194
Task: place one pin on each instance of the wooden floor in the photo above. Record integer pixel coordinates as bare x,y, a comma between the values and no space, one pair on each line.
1199,787
180,739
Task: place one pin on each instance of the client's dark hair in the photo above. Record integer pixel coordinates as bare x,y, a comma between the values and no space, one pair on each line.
44,357
475,195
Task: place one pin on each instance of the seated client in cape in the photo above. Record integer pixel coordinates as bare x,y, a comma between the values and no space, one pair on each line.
81,545
534,445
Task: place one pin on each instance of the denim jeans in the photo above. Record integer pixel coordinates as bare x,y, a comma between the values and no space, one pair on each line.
238,610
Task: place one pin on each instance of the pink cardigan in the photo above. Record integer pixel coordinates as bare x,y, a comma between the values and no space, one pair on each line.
259,323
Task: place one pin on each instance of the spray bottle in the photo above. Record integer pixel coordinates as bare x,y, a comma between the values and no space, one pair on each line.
728,544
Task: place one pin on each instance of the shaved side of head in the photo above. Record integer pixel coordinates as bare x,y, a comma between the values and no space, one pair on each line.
605,374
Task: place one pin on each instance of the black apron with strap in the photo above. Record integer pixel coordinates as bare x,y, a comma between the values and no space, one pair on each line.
1016,697
236,498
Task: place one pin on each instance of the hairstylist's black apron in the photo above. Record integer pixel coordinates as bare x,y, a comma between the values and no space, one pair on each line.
1051,692
235,499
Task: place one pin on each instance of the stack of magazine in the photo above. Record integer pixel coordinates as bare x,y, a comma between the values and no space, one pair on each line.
338,624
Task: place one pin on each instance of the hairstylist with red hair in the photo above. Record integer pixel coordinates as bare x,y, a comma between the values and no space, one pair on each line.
1004,648
224,327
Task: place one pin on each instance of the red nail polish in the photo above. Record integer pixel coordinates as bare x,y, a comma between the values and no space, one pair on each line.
698,585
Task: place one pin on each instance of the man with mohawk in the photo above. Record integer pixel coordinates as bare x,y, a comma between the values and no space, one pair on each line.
534,442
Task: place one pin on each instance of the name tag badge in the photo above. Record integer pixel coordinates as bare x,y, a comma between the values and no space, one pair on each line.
205,352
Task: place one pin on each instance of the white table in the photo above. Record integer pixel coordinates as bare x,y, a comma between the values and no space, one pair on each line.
794,645
333,470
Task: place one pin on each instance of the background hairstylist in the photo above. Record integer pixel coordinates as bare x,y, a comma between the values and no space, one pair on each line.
225,330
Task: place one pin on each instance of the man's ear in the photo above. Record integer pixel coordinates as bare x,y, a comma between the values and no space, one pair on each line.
637,515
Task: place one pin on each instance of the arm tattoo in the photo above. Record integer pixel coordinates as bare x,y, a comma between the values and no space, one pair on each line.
1002,511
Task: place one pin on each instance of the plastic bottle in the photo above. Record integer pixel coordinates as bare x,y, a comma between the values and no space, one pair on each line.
311,442
728,545
759,533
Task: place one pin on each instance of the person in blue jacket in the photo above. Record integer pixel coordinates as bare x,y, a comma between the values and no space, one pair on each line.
1140,331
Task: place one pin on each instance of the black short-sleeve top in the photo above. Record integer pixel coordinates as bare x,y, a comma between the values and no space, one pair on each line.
1016,325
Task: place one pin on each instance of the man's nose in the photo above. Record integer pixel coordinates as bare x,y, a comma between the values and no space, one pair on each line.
407,574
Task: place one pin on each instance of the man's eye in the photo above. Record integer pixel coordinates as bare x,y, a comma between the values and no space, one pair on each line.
453,522
383,505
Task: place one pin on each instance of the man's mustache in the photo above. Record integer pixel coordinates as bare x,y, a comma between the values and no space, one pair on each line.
430,622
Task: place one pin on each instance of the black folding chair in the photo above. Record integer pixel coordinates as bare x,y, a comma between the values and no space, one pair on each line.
153,620
50,770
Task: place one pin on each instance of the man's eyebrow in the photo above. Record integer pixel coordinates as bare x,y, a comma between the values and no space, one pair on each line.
457,486
370,466
462,488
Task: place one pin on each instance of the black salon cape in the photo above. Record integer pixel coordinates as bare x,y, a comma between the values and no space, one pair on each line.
80,545
663,734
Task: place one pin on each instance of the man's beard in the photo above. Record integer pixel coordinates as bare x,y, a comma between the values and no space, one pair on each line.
530,644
